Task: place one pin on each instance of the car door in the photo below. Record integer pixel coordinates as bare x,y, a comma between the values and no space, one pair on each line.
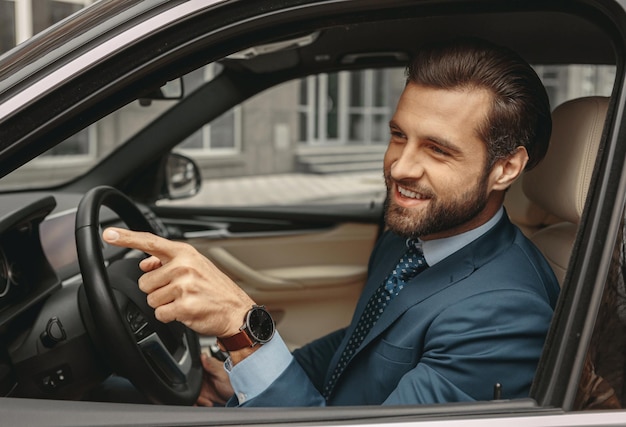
309,274
222,232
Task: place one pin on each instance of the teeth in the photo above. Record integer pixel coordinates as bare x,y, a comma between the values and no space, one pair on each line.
409,193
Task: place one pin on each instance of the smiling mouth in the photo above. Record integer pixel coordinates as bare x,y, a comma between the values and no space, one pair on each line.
405,192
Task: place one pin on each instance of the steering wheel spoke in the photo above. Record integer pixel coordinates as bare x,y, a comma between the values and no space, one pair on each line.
175,368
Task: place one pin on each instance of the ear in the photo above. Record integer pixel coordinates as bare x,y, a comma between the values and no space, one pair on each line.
506,171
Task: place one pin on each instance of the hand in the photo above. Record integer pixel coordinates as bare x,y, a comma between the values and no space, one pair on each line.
183,285
216,388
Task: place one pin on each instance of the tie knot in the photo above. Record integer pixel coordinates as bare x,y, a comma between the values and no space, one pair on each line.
412,262
415,246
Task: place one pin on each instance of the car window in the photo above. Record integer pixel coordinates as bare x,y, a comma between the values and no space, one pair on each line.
602,384
318,139
321,139
80,152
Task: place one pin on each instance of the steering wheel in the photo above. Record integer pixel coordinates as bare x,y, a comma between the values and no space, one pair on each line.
161,360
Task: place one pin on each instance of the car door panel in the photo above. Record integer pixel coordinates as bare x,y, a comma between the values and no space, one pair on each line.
308,273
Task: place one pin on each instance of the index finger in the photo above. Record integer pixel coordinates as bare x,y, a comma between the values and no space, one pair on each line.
146,242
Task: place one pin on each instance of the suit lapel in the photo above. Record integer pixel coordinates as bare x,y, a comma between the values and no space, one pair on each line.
431,281
444,274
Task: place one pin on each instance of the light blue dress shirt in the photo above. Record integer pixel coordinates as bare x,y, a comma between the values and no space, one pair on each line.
258,371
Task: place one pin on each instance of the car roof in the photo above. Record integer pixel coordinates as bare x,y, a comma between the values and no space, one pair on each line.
578,37
504,24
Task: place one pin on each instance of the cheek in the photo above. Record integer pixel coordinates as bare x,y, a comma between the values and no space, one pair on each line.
453,181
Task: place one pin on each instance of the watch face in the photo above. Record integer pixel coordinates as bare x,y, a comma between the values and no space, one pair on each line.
260,324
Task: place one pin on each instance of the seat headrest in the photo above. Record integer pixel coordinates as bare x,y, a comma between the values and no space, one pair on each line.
528,216
559,183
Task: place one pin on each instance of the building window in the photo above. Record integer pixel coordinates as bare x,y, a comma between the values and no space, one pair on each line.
371,107
565,82
348,108
222,136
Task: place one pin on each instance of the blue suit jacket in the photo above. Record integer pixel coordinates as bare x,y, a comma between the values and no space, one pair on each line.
477,318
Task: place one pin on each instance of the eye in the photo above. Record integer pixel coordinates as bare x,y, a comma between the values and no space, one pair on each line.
438,150
396,134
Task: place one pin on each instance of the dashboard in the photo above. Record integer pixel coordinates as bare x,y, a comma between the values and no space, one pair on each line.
47,340
27,275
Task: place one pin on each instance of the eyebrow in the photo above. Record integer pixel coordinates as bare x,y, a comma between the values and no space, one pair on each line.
393,124
436,139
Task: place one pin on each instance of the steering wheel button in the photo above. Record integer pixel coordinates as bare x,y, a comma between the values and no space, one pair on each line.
135,319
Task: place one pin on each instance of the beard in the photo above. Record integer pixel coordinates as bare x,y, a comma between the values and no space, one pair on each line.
440,215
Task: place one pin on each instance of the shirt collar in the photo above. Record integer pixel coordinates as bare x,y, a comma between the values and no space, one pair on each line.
438,249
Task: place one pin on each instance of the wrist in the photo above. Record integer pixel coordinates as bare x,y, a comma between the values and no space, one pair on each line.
257,329
237,356
236,322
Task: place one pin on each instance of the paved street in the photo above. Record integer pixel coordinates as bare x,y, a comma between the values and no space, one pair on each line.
286,189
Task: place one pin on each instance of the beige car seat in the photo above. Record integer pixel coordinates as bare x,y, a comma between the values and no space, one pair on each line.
559,184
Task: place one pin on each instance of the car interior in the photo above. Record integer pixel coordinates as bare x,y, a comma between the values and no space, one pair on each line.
557,188
299,260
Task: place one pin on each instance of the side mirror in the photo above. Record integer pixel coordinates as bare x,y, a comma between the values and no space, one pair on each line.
182,177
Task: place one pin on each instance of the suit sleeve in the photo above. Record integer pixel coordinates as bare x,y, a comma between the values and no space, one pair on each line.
300,382
476,343
315,357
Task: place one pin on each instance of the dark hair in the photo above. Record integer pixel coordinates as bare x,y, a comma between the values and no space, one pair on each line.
520,114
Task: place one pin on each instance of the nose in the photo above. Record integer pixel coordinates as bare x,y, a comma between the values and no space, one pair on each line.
408,164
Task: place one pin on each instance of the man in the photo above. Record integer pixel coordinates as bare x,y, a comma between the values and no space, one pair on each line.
476,297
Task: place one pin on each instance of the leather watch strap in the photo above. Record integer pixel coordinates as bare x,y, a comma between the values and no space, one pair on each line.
236,342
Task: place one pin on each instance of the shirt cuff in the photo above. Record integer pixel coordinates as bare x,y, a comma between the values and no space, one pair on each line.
257,372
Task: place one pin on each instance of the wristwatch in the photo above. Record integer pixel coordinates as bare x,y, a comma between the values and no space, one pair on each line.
258,328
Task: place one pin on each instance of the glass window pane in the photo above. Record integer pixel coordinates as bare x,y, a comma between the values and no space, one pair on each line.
380,89
380,128
316,108
356,89
303,92
302,126
332,126
332,102
357,127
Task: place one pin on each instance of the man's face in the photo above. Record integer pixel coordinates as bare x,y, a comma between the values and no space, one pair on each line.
435,165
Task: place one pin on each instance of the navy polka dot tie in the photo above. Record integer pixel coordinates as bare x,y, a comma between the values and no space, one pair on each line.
411,263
